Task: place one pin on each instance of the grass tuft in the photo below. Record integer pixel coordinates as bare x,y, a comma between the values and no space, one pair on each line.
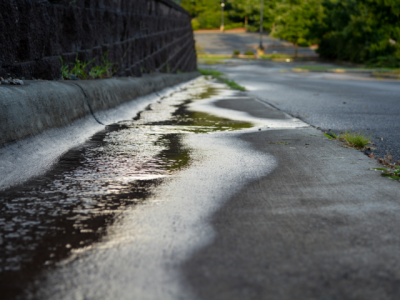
236,52
355,140
218,75
352,139
330,135
212,73
232,84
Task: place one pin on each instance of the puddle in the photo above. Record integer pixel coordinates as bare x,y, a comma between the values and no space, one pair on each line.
49,218
184,120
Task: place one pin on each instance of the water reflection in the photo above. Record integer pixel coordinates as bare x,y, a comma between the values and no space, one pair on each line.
184,120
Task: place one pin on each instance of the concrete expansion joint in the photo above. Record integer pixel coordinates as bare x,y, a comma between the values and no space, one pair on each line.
277,108
88,103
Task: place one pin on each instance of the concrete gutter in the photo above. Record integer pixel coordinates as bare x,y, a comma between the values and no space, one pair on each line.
41,120
39,105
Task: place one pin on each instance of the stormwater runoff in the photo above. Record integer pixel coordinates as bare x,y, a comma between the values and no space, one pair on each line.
51,221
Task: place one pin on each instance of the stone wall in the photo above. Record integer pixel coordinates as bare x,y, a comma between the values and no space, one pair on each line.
138,36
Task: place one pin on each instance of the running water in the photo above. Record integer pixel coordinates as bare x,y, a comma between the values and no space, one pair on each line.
116,216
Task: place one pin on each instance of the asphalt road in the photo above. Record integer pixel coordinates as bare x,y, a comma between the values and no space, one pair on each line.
340,102
225,43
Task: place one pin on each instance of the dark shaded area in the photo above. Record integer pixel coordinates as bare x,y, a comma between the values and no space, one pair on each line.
139,36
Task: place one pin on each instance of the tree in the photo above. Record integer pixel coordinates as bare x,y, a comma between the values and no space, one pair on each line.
244,9
249,10
294,19
206,14
361,31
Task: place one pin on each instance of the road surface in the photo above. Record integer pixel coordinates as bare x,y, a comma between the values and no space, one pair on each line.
340,102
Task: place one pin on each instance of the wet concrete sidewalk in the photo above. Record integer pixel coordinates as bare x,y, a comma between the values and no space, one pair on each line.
208,194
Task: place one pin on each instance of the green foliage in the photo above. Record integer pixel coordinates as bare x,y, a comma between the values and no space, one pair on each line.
361,31
303,42
236,52
250,10
80,69
232,84
209,20
295,19
64,69
218,75
83,71
356,140
352,139
206,14
331,135
276,56
105,70
392,174
212,73
212,60
232,25
195,24
390,61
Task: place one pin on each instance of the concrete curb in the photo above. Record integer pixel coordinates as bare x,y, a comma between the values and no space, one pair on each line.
39,105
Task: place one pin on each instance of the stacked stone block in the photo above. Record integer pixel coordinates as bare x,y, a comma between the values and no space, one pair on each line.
138,36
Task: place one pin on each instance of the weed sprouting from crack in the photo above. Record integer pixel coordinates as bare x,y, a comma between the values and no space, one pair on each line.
356,140
351,139
360,142
82,70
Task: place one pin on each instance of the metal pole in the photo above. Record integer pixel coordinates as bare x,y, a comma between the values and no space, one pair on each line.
222,16
261,24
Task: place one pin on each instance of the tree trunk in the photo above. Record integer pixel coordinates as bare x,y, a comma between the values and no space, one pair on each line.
295,49
246,22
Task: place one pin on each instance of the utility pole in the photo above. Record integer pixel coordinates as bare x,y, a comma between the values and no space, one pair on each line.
261,47
222,16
